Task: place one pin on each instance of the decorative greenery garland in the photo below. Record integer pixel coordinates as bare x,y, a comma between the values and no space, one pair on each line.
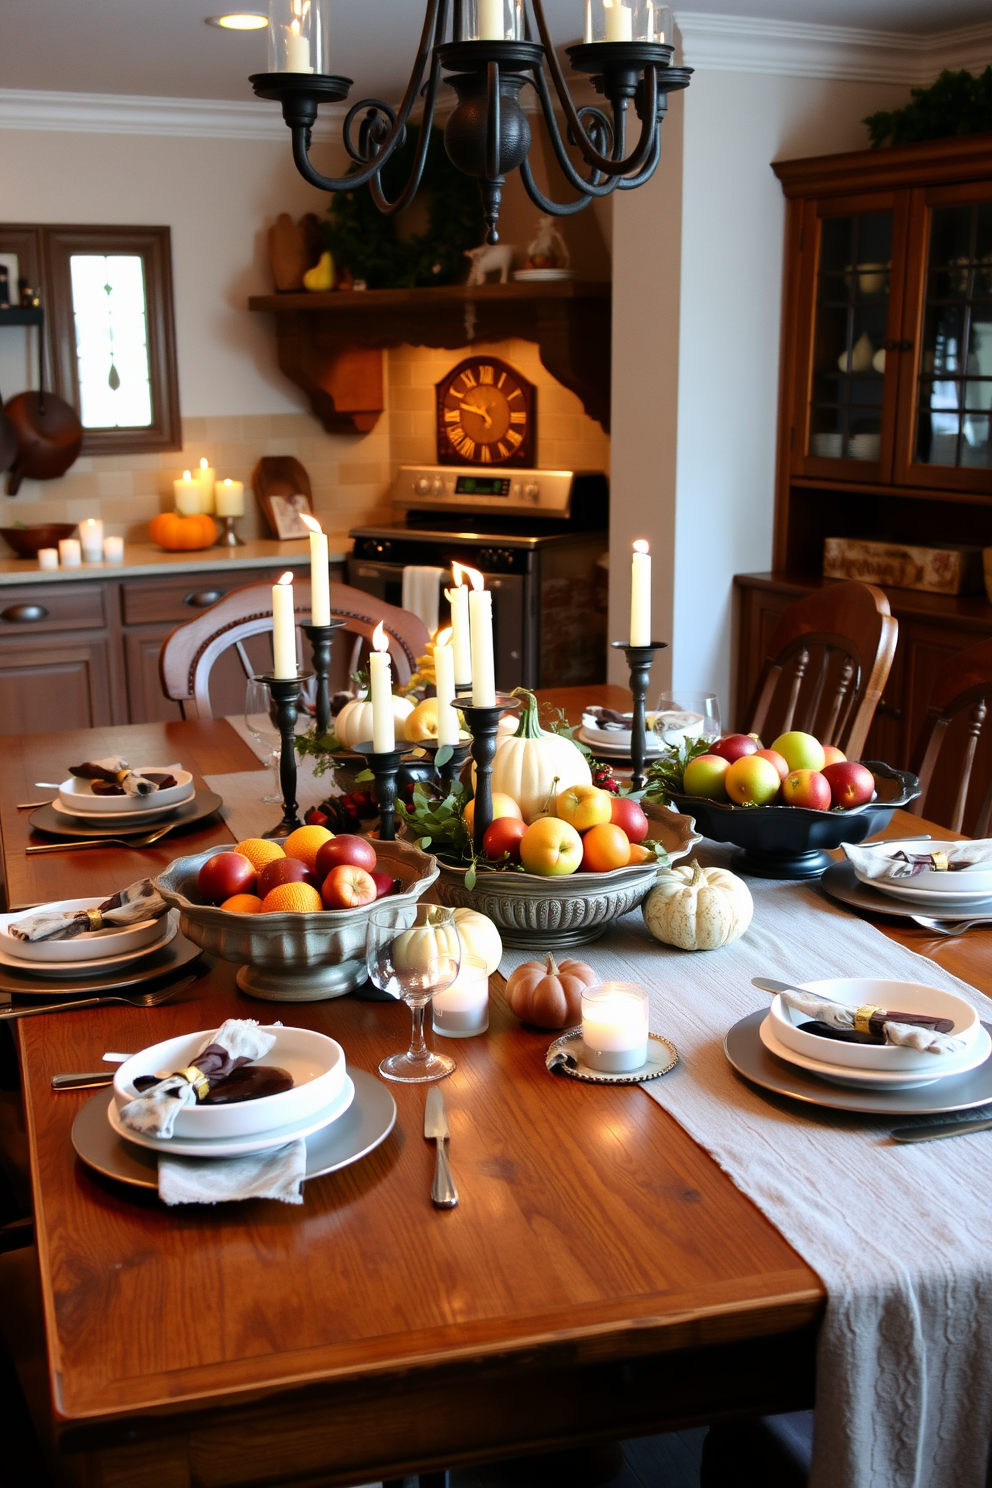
958,103
363,240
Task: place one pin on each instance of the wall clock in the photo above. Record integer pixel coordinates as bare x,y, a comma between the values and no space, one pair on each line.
486,415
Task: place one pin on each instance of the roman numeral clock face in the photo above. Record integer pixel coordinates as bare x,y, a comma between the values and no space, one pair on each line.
485,415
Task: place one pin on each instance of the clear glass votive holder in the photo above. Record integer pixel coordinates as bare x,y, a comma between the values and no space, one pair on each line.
615,1027
462,1010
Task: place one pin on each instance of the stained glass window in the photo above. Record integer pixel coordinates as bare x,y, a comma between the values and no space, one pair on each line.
110,314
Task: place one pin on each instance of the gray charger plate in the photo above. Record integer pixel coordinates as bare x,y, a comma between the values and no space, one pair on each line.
47,819
841,882
165,962
750,1058
366,1123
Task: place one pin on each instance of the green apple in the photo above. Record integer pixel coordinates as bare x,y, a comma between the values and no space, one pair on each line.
705,776
800,751
752,781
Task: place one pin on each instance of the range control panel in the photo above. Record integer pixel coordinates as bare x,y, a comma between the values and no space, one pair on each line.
532,493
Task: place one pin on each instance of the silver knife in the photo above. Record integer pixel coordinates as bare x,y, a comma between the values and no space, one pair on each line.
444,1194
83,1081
949,1129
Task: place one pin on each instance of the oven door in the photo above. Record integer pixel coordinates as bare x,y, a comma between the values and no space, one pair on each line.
514,617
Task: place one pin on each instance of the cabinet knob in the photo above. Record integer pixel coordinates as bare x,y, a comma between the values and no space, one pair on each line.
24,614
897,345
203,598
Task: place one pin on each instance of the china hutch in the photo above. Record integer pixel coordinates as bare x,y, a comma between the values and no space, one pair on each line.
885,397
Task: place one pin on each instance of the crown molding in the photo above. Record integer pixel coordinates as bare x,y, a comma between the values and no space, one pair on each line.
188,118
720,43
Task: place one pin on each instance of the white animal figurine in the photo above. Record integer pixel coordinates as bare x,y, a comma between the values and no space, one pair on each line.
486,260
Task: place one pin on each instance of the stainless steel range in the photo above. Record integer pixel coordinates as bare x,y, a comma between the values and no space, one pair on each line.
540,539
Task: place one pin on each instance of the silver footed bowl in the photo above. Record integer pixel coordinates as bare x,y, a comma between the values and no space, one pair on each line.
535,912
291,957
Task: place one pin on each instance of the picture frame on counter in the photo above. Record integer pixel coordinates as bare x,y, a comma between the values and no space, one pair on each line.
283,489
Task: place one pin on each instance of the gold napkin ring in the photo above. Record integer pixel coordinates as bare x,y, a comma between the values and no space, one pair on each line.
863,1017
197,1079
939,861
95,918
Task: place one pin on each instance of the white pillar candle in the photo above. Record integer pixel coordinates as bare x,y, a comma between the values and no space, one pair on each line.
113,550
480,614
91,537
619,21
320,578
48,557
297,50
444,685
70,552
283,628
615,1026
381,693
229,498
490,23
640,595
207,477
188,495
462,1010
461,645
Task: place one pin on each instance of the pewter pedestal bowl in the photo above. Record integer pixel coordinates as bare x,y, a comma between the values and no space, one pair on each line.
291,957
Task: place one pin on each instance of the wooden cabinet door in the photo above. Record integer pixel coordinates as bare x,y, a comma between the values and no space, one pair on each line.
54,684
146,701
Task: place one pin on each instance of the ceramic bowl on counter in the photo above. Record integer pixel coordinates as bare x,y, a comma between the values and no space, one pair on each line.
290,957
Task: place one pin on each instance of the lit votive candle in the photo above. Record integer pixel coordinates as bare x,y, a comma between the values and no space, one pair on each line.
229,498
70,552
91,537
113,550
48,557
188,495
615,1026
462,1010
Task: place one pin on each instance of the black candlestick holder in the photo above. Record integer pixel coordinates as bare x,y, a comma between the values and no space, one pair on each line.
320,638
286,696
449,772
384,767
483,724
639,659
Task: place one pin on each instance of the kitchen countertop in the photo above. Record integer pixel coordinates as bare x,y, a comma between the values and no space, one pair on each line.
142,559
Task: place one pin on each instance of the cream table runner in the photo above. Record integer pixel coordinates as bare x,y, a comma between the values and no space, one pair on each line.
900,1235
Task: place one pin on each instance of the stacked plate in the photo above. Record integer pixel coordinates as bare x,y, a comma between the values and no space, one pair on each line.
957,892
91,954
614,742
78,811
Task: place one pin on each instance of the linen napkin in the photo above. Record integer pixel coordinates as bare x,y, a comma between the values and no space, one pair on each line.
881,863
906,1035
117,774
237,1042
276,1174
421,592
140,901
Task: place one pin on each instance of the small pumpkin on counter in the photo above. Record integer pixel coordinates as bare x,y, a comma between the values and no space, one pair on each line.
698,909
177,534
549,994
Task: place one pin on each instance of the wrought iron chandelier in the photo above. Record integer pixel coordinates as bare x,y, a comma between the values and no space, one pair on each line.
490,58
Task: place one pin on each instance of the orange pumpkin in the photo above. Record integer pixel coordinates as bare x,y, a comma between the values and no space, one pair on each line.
176,533
547,994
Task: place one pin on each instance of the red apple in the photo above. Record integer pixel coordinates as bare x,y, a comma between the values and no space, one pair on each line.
705,776
628,815
733,747
774,758
284,870
385,884
850,783
503,836
344,848
224,875
347,886
806,788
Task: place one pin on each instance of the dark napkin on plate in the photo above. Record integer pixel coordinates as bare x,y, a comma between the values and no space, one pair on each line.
114,777
237,1042
138,902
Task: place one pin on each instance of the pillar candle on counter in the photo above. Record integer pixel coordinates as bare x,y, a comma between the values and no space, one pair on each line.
490,24
444,686
619,21
480,615
297,50
462,1010
461,645
207,477
70,553
283,628
188,495
229,498
91,536
48,557
113,550
640,595
381,693
320,577
615,1026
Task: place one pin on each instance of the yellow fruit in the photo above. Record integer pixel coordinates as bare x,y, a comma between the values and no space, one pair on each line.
584,806
297,898
321,276
551,847
305,843
243,904
503,805
422,723
259,851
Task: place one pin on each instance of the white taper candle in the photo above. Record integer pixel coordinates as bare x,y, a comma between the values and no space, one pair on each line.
461,645
283,628
381,693
640,595
320,579
444,684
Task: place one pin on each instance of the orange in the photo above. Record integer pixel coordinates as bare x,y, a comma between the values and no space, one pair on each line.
243,904
259,851
305,843
503,805
640,854
604,847
297,898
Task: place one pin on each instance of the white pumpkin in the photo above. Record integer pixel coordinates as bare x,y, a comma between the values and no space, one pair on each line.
353,724
531,765
427,950
479,937
698,909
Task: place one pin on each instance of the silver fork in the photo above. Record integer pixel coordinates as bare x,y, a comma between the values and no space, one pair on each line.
145,841
133,999
947,927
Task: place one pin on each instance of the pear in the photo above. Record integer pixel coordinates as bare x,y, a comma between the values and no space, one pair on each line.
321,276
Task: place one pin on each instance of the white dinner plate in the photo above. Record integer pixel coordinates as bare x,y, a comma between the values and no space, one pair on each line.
278,1136
78,796
909,891
106,820
88,946
170,926
882,992
976,1054
597,741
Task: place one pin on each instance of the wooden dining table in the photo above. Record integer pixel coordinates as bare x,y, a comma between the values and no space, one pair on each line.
601,1277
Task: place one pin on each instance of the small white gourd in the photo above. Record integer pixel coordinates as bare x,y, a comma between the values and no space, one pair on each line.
353,724
698,909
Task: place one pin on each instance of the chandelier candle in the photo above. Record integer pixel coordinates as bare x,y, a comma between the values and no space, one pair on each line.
444,686
461,645
619,21
381,693
188,495
320,581
207,476
615,1027
640,595
490,24
91,536
283,628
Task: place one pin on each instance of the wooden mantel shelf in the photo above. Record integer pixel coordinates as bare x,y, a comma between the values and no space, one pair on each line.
331,345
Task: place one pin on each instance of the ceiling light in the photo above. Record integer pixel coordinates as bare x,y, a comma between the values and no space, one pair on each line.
239,20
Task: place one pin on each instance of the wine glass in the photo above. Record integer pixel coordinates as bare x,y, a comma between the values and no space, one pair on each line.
412,952
682,717
261,720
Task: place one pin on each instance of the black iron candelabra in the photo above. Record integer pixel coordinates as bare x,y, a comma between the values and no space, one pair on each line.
483,725
285,692
320,638
639,659
384,767
449,771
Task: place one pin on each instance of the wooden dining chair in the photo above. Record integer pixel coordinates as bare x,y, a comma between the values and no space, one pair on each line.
191,652
827,662
956,710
